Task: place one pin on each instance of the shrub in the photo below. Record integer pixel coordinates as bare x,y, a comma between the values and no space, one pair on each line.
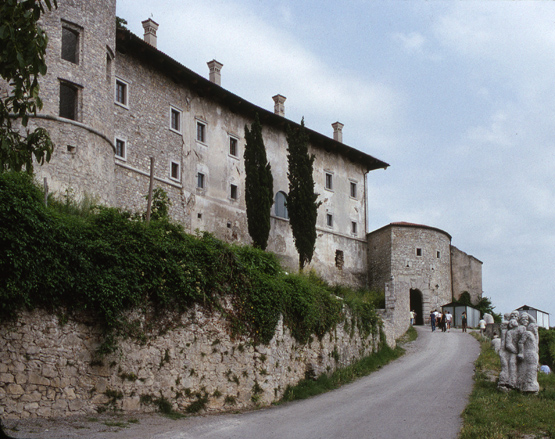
104,262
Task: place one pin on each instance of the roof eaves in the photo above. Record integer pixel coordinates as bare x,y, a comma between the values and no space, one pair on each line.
127,42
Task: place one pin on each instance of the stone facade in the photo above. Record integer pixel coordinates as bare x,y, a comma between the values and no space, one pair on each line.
49,369
134,103
419,269
467,275
83,161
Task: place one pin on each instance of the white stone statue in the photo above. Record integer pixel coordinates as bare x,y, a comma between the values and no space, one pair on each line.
519,353
489,319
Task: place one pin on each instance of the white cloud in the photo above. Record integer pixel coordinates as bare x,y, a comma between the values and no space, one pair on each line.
412,42
260,61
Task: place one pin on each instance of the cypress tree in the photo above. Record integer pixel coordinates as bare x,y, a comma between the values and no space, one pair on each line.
259,185
302,204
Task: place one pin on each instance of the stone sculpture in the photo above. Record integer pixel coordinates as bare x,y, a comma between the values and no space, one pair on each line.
518,353
488,319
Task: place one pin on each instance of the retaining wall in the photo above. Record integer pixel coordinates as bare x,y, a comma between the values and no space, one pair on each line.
50,369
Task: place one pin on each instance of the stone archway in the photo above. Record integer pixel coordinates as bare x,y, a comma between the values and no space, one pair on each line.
416,305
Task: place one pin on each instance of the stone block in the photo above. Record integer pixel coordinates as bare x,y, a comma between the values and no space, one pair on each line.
14,389
76,405
49,372
39,380
7,378
60,405
31,407
100,399
31,397
131,404
44,412
21,378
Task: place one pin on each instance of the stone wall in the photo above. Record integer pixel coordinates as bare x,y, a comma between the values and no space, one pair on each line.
405,259
467,275
49,369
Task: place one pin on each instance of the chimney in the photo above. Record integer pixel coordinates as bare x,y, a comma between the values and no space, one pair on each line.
215,69
279,106
337,131
150,27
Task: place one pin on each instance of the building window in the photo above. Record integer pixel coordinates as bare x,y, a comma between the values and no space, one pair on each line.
70,44
121,92
418,252
121,150
233,146
201,132
175,120
233,192
281,205
353,189
329,181
174,171
200,181
69,94
339,259
353,227
438,255
329,220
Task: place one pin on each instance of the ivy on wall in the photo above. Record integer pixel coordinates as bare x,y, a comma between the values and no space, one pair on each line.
102,262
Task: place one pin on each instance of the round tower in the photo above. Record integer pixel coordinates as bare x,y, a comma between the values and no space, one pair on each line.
78,97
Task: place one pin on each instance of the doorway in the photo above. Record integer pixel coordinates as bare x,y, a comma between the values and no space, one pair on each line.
416,305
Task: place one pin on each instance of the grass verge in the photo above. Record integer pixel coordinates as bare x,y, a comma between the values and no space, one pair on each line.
491,414
311,387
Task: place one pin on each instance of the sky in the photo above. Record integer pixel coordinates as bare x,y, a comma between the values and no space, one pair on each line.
457,96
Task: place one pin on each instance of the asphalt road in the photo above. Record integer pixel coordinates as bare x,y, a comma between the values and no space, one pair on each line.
420,395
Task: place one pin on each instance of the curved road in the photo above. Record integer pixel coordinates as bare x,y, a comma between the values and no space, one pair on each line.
420,395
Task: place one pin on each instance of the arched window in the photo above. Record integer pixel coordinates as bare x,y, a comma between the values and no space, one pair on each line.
281,208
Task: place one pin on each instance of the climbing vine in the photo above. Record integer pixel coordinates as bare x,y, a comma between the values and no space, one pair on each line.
104,262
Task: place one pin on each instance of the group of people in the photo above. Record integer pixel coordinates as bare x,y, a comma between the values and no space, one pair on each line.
441,320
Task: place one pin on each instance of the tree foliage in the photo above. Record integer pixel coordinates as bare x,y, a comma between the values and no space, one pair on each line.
259,185
22,60
302,204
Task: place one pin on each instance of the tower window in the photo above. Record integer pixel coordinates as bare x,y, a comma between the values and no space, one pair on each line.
200,181
68,101
70,44
418,252
329,220
329,181
233,193
121,92
201,132
353,190
233,146
174,171
175,120
120,149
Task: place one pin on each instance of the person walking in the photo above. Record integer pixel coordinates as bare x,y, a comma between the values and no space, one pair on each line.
482,324
412,315
464,321
433,320
448,317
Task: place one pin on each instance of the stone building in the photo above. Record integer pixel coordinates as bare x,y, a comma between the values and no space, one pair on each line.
420,270
118,109
113,101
